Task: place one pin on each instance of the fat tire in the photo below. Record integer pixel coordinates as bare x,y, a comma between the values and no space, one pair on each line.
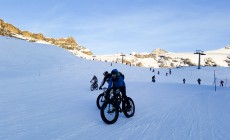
130,113
96,87
104,110
100,100
91,87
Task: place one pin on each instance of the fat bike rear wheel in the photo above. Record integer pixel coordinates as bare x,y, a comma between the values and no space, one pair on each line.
96,87
129,112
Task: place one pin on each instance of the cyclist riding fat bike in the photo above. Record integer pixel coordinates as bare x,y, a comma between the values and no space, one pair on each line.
117,82
94,80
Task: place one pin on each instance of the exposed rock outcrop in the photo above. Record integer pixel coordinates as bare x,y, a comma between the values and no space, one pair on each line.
227,47
159,51
209,62
69,43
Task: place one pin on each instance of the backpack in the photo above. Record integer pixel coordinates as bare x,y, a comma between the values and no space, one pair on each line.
122,75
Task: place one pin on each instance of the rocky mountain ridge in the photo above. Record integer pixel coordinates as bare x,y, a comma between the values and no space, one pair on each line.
162,59
69,43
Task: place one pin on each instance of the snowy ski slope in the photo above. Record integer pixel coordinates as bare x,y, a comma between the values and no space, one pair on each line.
45,95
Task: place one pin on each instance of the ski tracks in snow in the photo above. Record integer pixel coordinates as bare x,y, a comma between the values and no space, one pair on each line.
194,115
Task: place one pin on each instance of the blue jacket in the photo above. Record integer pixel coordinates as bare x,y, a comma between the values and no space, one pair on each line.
117,83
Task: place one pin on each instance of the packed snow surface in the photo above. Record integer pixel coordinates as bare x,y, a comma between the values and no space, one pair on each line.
45,95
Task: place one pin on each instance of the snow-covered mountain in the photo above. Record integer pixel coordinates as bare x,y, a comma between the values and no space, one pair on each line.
161,58
158,58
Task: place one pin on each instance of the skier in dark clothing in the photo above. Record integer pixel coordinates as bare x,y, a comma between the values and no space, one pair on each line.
221,83
170,71
199,80
153,79
106,78
184,80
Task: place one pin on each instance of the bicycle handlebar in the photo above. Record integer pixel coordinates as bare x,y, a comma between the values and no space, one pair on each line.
104,88
117,91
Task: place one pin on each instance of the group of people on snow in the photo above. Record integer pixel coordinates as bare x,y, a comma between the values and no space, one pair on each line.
115,79
184,80
158,72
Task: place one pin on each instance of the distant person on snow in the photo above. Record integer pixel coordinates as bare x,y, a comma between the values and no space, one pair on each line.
184,80
106,78
170,71
221,83
199,80
153,79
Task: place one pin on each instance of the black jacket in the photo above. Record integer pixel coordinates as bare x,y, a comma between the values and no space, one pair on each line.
106,79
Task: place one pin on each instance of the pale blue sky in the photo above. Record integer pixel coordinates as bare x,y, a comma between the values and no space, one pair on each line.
115,26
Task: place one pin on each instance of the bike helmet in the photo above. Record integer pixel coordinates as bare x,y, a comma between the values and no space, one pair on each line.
114,71
105,73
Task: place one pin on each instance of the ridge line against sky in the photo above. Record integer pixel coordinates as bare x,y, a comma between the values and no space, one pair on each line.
115,26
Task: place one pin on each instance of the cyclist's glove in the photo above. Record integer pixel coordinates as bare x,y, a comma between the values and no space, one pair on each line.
107,91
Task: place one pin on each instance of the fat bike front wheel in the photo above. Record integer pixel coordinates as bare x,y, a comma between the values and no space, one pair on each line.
92,87
100,100
109,112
